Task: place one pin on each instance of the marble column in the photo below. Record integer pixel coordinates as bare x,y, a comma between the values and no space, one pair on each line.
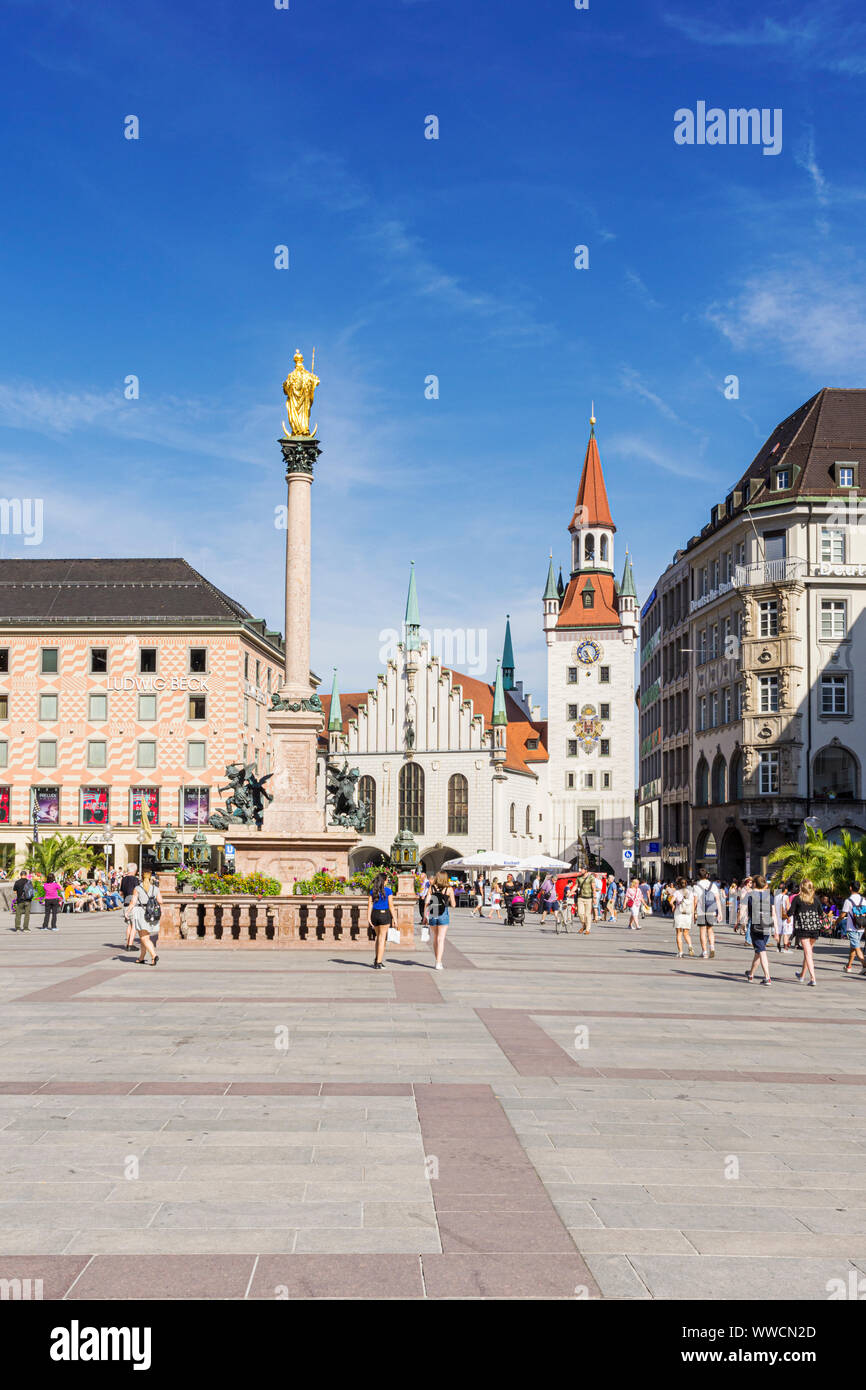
299,456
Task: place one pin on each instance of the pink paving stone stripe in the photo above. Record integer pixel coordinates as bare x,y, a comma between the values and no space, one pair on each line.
132,1277
526,1045
504,1276
337,1277
477,1154
57,1272
416,987
454,959
66,990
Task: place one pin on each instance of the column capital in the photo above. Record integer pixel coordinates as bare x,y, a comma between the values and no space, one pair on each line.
299,455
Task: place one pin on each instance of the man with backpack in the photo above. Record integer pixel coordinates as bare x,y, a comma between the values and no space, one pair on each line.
854,913
708,913
584,896
24,895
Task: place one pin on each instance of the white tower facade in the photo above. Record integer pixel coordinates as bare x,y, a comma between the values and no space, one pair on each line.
592,632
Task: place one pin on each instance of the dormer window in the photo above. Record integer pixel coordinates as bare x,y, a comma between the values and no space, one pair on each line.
782,478
588,598
846,474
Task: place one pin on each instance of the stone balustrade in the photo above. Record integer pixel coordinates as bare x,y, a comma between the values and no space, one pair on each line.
216,919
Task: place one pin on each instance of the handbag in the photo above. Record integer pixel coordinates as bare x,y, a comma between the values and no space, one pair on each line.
425,933
394,935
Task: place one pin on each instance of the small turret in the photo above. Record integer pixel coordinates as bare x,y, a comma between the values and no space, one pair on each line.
499,720
508,657
550,598
627,597
335,719
412,620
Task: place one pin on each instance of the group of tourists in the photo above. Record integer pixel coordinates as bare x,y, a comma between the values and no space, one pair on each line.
139,899
792,917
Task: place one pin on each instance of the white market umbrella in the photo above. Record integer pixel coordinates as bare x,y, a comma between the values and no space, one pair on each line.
484,859
542,861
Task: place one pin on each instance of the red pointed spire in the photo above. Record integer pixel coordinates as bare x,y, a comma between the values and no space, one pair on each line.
592,507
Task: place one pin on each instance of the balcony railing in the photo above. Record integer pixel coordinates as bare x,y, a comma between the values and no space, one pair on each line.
769,572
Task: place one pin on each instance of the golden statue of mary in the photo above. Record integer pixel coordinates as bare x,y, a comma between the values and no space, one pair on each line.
299,388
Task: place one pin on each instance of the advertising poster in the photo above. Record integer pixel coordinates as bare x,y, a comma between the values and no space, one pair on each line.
94,806
195,805
151,796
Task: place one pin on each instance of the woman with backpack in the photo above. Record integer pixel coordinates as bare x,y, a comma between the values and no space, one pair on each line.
806,921
684,906
380,916
146,912
440,897
854,913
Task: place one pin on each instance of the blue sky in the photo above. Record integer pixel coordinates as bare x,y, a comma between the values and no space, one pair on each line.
411,257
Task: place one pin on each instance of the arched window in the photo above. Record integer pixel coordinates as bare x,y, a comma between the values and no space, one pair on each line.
834,774
411,815
736,777
602,550
367,799
589,548
702,779
529,820
458,805
512,819
718,781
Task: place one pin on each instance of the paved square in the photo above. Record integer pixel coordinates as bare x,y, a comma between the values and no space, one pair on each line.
550,1116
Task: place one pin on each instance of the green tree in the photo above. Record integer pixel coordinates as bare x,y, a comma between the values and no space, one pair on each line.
849,863
59,855
814,858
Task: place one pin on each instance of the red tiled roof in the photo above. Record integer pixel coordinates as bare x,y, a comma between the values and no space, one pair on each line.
592,507
604,612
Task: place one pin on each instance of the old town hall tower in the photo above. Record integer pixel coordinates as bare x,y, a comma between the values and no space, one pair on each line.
591,625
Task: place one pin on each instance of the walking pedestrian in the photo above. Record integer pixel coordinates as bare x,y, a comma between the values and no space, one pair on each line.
380,916
684,915
584,890
495,900
854,912
760,912
806,919
634,903
422,892
52,904
146,912
708,913
439,899
128,884
24,895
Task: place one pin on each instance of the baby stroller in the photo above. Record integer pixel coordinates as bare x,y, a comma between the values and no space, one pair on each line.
515,910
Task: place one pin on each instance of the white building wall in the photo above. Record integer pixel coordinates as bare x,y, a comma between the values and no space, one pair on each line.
614,808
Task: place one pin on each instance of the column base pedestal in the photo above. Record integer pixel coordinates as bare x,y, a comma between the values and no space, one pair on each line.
290,857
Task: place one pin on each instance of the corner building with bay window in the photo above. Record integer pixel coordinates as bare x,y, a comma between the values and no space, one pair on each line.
775,647
122,682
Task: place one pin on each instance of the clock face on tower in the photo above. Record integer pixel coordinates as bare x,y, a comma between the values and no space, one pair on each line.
587,652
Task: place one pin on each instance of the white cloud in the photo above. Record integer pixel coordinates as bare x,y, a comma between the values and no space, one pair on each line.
816,38
810,317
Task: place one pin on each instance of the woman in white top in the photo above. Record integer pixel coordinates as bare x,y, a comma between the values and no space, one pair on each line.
147,931
634,905
684,915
